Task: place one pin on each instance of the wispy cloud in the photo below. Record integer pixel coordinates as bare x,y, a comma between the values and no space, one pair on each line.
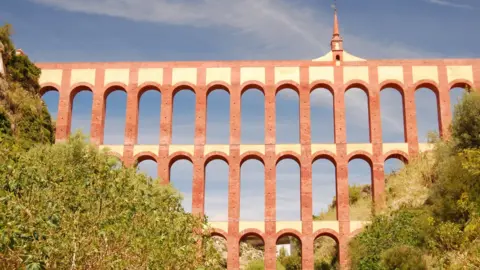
450,4
279,27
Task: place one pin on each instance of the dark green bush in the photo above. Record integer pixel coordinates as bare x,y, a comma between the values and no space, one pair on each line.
403,258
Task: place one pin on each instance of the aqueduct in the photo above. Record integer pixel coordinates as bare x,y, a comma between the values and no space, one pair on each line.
336,71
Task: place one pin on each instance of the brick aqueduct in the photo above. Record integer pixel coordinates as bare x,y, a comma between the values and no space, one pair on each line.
337,71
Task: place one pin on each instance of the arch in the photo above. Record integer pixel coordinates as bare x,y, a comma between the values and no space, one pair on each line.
179,155
183,86
145,155
181,177
252,116
392,113
287,84
461,83
184,101
324,188
395,84
288,232
356,83
287,114
288,188
251,231
398,154
327,232
430,84
324,84
218,85
148,86
76,121
115,114
112,87
360,186
216,189
252,85
355,232
427,110
47,87
219,232
252,155
149,109
79,87
288,155
216,155
324,154
363,155
114,154
252,190
357,113
322,114
218,109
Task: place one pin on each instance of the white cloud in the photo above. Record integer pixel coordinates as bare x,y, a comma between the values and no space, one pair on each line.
450,4
280,28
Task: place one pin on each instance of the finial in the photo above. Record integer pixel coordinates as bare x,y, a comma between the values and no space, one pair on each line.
336,31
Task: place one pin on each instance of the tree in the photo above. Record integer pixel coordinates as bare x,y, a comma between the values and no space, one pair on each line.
66,206
466,124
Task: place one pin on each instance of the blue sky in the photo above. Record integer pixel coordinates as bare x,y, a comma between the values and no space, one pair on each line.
165,30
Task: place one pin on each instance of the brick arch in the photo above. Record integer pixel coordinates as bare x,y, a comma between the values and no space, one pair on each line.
218,85
219,232
216,155
146,155
288,155
178,156
359,154
324,154
183,86
287,84
251,231
360,84
429,84
115,154
252,85
147,86
398,154
112,87
394,84
288,232
327,232
47,87
322,84
252,155
355,232
461,83
79,87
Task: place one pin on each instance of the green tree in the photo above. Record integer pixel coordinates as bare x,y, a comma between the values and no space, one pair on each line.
66,206
466,125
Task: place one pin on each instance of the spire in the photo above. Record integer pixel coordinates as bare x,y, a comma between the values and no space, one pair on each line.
337,41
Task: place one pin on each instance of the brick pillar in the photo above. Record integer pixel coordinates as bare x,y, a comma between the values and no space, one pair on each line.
198,193
476,75
131,116
409,111
234,207
65,102
343,215
375,121
165,133
443,101
270,207
235,108
98,109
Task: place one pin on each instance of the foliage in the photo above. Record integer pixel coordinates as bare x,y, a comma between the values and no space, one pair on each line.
465,126
433,216
66,206
19,67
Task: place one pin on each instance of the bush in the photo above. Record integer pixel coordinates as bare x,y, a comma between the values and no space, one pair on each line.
403,258
67,206
466,122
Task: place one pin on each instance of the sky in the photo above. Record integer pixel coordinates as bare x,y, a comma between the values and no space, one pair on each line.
166,30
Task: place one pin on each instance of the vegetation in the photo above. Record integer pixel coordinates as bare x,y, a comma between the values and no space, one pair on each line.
71,206
432,217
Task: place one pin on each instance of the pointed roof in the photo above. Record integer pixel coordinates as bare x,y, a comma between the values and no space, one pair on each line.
336,31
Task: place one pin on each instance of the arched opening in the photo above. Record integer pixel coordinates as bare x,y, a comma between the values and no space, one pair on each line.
324,190
392,115
289,252
149,117
183,124
356,114
115,116
148,167
287,116
456,94
218,117
321,115
181,178
216,190
220,244
288,190
252,187
325,253
360,189
51,98
82,111
392,165
115,162
426,106
253,117
251,252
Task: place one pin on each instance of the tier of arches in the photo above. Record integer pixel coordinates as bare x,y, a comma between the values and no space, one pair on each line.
288,119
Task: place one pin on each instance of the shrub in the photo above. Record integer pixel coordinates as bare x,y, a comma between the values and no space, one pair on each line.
466,122
403,258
